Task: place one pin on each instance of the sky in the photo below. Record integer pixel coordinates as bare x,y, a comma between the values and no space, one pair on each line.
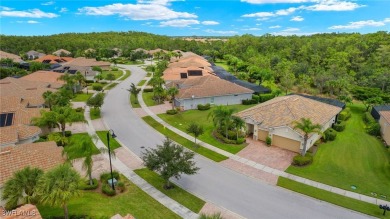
194,17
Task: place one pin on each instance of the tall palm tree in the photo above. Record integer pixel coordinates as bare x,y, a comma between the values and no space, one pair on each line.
238,124
134,91
173,91
222,117
70,81
307,127
80,79
49,98
58,186
21,186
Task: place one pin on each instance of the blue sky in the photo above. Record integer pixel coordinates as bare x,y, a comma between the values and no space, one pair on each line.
194,17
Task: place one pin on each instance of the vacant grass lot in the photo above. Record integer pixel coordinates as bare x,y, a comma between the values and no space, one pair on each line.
183,119
81,97
336,199
103,136
178,194
74,145
354,158
183,141
96,205
117,74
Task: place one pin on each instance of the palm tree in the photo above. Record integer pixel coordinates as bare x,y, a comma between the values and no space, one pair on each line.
238,123
173,91
307,127
69,80
58,117
58,186
49,98
21,185
134,91
222,117
80,79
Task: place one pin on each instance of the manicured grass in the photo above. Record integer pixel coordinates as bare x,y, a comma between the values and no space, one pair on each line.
94,113
132,102
183,141
74,141
148,99
96,205
142,82
110,86
333,198
128,73
81,97
103,136
117,74
354,158
178,194
183,119
137,62
223,64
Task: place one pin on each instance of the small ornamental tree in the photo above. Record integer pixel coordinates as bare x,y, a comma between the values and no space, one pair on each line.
170,160
195,129
96,101
134,91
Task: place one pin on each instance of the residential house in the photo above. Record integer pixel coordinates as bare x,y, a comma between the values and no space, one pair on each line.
43,155
53,78
208,89
275,119
85,62
382,114
87,71
178,73
34,55
52,59
62,52
6,55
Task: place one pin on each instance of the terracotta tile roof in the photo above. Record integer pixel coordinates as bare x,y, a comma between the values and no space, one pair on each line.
385,115
13,134
173,74
58,52
44,155
53,59
81,61
27,211
6,55
207,86
46,76
35,53
283,111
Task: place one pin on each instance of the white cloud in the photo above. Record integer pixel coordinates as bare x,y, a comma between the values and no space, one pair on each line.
290,33
258,24
5,8
333,5
210,22
157,2
260,14
221,32
252,29
63,10
33,22
297,18
287,11
273,1
291,29
137,11
33,13
275,27
48,3
360,24
178,23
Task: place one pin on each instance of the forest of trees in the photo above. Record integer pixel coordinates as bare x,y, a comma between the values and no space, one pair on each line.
333,64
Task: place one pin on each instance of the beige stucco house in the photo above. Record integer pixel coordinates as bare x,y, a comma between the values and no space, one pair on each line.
275,119
384,122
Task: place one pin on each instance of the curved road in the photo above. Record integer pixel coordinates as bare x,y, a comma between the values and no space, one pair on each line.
246,196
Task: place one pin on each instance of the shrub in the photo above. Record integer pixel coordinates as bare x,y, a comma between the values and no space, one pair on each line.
106,189
367,118
265,97
220,137
232,135
103,82
79,109
374,129
240,140
84,185
300,160
89,81
104,177
344,115
148,90
171,112
121,186
203,107
339,126
330,134
256,97
249,102
114,69
97,87
268,141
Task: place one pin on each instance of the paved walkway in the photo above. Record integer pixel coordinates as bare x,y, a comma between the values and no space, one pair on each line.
260,166
137,180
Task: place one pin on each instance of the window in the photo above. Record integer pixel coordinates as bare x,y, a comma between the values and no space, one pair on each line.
195,73
183,75
6,119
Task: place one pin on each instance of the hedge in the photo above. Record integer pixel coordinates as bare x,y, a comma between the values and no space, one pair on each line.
104,177
148,90
300,160
266,97
106,189
374,129
344,115
220,137
203,107
171,112
249,102
330,134
84,185
339,126
97,87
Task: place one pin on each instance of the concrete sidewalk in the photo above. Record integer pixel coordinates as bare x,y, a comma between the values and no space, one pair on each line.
137,180
260,166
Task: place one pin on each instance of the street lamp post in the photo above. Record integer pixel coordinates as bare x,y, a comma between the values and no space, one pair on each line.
110,132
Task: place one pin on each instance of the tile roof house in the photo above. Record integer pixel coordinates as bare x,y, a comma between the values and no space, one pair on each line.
61,51
46,76
84,62
52,59
43,155
34,54
208,89
274,119
6,55
27,211
382,114
87,71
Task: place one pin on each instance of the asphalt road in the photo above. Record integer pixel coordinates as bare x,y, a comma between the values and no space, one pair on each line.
241,194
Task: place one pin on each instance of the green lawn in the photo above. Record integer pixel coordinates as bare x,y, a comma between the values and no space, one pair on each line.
73,143
132,100
110,86
103,136
183,119
148,99
354,158
128,73
81,97
333,198
96,205
117,74
183,141
94,113
142,82
223,64
178,194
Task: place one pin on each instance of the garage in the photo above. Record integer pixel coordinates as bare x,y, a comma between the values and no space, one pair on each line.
286,143
262,135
